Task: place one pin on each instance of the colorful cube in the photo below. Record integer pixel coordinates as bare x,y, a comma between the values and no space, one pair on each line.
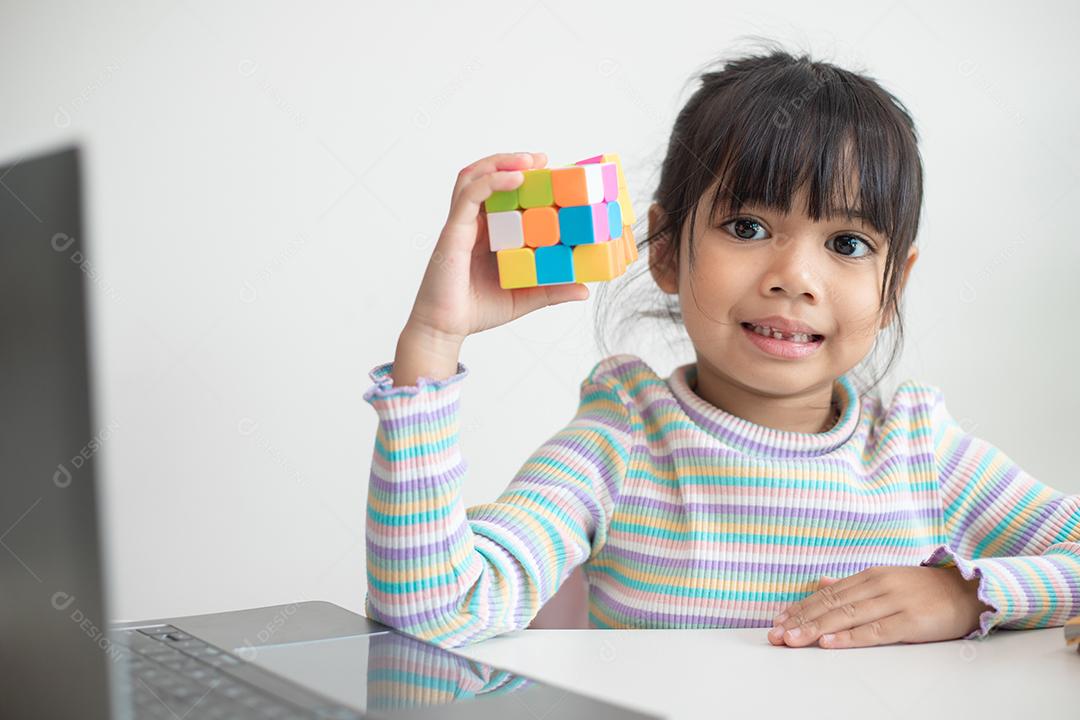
563,224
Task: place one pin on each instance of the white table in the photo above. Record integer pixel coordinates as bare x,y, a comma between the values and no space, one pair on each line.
1026,674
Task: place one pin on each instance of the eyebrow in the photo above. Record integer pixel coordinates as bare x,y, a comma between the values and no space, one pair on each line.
841,212
854,214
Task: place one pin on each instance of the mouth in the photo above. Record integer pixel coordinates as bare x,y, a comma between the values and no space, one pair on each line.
796,338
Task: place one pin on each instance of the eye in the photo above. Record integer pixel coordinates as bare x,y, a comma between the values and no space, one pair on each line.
744,228
847,248
847,245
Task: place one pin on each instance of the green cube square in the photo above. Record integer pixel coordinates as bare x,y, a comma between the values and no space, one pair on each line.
536,190
502,200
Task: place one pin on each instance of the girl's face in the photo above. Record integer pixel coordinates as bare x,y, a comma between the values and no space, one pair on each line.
758,263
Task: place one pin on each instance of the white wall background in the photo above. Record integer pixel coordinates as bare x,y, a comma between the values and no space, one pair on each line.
266,181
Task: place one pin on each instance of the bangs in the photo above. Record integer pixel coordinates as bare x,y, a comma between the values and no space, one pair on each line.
805,126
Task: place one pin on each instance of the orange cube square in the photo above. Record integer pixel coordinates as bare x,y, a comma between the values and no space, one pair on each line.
569,187
541,226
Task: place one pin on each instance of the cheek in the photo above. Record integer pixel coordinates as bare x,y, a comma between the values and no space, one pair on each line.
855,309
715,284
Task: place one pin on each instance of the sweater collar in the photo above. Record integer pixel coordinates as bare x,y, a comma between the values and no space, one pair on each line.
749,438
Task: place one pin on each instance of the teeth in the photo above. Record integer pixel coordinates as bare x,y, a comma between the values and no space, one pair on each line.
771,332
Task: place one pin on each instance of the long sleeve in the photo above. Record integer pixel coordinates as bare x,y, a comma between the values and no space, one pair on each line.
1020,537
454,575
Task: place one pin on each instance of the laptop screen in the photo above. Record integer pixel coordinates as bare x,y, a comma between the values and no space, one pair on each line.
51,614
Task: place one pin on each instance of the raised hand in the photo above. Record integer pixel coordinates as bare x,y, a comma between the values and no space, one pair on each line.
460,293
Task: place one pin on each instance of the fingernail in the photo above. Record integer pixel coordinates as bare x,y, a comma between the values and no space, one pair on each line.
776,632
794,632
828,637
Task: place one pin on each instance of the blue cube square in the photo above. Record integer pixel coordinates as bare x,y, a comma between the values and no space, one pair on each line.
554,265
614,213
576,225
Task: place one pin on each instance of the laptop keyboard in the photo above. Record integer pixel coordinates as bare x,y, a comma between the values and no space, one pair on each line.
174,675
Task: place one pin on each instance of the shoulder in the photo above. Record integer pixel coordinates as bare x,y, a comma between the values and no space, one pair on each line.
623,378
911,396
626,373
918,395
923,404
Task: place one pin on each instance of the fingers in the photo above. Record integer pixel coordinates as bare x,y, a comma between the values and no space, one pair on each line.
814,604
493,163
884,631
475,184
842,618
830,595
466,206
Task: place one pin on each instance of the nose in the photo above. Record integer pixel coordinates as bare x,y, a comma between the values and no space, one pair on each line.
792,270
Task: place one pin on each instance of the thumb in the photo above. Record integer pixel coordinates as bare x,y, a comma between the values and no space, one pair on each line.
567,293
527,300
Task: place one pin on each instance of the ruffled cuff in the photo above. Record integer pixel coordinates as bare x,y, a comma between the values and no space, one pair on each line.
990,590
383,391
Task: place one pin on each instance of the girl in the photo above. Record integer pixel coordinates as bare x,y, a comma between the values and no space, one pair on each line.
758,486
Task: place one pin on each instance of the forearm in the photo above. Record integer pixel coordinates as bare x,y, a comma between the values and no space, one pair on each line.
421,555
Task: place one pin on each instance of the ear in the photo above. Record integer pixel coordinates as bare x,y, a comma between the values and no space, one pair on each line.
662,263
913,255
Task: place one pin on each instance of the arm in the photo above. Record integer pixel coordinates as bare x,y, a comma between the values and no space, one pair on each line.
433,571
1019,537
454,575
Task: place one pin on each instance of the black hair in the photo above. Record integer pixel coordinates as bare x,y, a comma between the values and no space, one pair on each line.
759,129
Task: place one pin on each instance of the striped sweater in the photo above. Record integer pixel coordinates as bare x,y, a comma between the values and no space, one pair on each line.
687,516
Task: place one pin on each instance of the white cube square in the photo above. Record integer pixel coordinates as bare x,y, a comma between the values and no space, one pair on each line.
505,230
594,182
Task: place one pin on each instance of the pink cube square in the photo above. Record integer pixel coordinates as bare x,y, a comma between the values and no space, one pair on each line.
600,222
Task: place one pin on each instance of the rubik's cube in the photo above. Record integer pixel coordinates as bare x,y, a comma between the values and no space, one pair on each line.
563,224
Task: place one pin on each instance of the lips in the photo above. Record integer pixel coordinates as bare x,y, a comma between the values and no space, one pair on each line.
799,347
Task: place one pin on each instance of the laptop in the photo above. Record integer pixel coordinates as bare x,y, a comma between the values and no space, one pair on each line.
59,655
